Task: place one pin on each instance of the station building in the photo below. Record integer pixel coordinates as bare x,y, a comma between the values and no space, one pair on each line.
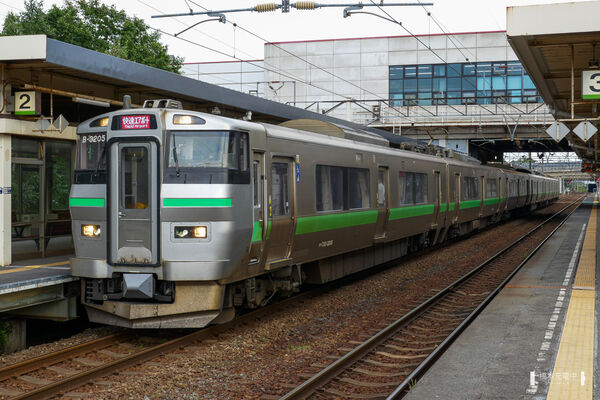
465,91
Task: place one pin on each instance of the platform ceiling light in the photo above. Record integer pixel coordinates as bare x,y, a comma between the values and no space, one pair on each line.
91,231
92,102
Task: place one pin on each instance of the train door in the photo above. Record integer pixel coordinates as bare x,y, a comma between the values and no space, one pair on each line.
500,189
281,208
457,194
133,203
382,202
437,197
259,222
482,195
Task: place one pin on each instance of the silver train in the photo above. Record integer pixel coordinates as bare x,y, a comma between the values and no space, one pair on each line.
180,218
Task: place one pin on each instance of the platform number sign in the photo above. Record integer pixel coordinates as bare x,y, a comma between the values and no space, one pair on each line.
25,103
590,81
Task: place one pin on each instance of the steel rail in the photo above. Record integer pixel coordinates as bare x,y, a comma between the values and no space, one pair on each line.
84,377
425,364
45,360
327,374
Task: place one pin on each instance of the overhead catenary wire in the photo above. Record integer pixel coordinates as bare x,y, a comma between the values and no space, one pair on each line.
376,96
285,7
292,77
246,61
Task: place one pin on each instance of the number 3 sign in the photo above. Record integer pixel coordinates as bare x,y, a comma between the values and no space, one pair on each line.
590,81
25,103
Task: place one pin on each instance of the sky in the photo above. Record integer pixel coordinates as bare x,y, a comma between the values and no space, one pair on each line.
226,42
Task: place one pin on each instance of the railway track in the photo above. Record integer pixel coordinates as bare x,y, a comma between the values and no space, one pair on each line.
388,363
63,371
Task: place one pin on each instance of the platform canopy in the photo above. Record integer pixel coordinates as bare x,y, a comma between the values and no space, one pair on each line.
556,43
39,63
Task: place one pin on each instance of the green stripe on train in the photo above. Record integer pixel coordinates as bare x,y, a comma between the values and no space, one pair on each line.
469,204
328,222
411,211
196,202
257,232
86,202
491,200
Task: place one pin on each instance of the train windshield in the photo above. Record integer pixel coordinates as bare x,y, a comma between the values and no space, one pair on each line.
90,165
206,157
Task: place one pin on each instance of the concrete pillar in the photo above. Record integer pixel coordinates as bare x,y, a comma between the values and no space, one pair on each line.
5,200
13,335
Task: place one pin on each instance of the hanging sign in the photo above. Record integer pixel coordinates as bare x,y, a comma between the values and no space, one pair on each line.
558,131
27,103
590,84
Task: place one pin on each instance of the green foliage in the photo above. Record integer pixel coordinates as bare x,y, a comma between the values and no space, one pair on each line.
5,330
95,26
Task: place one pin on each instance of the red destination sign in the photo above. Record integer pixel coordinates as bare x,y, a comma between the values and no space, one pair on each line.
135,122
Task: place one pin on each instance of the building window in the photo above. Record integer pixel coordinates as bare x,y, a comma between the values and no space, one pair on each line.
501,82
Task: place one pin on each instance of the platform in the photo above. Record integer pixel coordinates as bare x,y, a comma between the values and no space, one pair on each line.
39,288
535,340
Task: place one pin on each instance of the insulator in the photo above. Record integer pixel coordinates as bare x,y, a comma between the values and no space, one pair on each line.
305,5
266,7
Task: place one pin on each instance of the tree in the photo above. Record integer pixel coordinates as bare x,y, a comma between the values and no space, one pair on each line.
96,26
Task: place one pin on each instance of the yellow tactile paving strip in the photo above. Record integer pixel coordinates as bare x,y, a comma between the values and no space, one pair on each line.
28,267
573,374
586,269
572,377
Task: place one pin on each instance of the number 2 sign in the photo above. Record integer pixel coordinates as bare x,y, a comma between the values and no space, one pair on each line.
25,103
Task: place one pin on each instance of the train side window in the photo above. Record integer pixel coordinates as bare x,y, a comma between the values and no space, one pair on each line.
256,177
470,188
405,187
491,188
280,190
381,195
359,193
421,188
412,188
330,188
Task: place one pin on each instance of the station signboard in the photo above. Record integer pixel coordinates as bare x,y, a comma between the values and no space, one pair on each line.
590,84
27,103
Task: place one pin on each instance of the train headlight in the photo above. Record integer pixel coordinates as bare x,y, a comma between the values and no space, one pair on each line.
91,230
199,232
181,119
191,232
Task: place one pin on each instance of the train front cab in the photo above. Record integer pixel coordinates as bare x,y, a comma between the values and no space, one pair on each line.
151,252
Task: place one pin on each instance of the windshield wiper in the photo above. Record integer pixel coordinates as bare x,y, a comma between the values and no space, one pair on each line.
175,157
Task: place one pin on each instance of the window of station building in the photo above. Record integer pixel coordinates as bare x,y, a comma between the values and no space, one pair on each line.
491,188
412,188
470,188
461,83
